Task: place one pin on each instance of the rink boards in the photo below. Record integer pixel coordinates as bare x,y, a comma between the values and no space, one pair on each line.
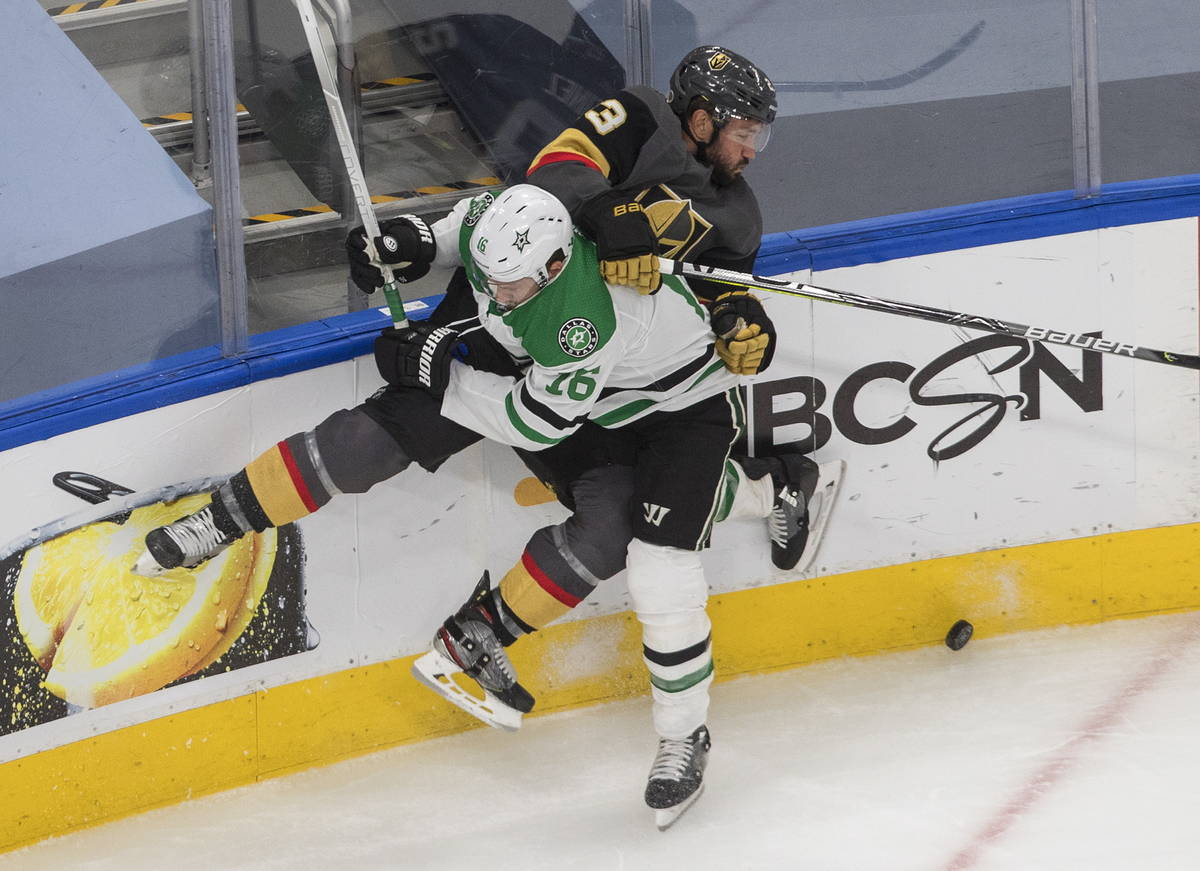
988,478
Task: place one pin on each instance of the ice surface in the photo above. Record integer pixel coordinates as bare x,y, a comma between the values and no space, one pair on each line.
1075,748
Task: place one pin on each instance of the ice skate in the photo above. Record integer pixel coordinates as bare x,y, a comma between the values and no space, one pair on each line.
467,643
804,496
677,776
187,542
803,501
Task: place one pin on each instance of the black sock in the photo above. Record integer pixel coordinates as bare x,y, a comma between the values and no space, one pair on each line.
505,618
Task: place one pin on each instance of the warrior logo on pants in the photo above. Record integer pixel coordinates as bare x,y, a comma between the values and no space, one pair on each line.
655,513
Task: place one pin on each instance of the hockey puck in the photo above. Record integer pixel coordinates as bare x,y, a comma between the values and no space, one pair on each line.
958,636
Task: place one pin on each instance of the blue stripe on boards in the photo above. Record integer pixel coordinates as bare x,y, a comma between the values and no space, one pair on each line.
875,240
344,337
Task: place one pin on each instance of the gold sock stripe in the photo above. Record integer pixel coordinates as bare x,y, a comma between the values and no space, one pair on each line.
275,487
526,598
397,82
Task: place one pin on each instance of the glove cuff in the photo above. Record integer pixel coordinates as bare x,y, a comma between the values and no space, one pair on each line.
619,226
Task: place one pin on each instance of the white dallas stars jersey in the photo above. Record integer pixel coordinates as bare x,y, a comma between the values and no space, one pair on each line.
608,354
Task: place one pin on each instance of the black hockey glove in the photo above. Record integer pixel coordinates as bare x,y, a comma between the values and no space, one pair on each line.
417,356
745,335
405,243
625,242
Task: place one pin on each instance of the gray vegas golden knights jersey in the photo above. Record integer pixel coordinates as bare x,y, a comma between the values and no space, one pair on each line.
594,351
632,142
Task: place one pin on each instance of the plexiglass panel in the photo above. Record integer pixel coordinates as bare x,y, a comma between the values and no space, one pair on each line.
886,106
453,98
1149,87
107,259
891,106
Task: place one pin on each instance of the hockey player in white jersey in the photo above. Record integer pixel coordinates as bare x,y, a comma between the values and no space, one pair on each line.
643,364
644,367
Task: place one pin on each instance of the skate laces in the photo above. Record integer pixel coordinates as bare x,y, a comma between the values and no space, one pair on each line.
674,757
782,522
197,535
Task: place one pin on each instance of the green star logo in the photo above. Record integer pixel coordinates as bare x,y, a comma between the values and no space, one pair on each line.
578,338
522,240
478,206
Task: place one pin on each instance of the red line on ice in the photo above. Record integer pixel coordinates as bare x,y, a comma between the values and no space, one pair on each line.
1048,776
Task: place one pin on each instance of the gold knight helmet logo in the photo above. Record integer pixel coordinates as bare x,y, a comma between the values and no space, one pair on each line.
676,223
718,61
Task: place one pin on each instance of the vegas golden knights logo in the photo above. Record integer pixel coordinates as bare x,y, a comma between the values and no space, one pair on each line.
718,61
678,226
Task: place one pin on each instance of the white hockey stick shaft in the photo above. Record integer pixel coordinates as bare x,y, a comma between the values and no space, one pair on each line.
942,316
358,181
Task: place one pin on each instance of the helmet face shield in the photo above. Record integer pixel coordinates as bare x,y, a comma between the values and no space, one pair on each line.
510,294
752,134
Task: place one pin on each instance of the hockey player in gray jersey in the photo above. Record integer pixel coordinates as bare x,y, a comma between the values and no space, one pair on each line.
645,176
648,176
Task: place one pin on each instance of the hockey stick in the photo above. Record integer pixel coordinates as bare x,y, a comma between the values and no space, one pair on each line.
892,82
358,181
941,316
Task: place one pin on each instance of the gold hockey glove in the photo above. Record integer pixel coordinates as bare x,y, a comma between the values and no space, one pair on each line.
640,273
744,332
625,242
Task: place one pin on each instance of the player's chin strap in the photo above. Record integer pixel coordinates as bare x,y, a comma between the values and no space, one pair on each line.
1079,341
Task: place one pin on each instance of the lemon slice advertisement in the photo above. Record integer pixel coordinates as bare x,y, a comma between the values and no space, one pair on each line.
82,630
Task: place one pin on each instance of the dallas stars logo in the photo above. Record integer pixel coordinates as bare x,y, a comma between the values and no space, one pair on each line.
522,240
478,206
578,337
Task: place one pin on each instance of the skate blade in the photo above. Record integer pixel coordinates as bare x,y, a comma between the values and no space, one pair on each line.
435,671
147,566
664,818
820,506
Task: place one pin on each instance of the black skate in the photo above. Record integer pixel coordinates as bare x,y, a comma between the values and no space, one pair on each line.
677,776
467,643
804,496
187,542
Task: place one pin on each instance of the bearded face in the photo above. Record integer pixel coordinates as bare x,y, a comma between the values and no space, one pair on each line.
735,146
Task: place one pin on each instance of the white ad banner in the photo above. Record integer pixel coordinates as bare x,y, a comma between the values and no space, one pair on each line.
955,442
